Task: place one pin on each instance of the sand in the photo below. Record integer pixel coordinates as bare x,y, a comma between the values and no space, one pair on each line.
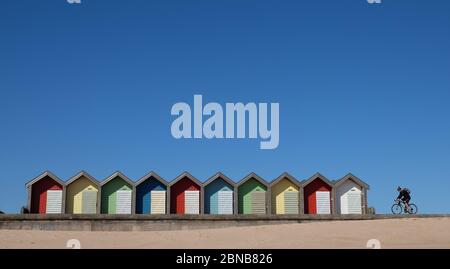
391,233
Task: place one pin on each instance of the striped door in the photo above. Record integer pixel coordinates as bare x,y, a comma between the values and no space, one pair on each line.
354,203
290,202
323,202
225,202
123,202
54,202
89,202
259,202
191,202
158,202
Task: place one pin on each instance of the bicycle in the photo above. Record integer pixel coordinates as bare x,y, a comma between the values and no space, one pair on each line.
399,207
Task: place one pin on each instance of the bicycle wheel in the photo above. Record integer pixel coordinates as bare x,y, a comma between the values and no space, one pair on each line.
396,209
412,209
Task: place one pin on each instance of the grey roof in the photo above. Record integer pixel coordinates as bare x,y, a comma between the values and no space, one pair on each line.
222,176
254,176
183,175
288,177
117,174
82,174
150,175
43,175
354,178
317,175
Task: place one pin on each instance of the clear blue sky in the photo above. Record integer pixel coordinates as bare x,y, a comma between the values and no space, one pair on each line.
362,88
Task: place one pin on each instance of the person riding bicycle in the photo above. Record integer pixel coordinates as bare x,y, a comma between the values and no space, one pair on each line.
404,195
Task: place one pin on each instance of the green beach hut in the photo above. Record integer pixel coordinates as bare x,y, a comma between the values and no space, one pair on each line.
117,192
252,195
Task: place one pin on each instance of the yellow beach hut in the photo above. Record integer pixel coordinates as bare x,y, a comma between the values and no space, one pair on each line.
82,194
286,194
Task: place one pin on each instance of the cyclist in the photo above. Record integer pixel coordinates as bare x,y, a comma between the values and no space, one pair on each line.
404,195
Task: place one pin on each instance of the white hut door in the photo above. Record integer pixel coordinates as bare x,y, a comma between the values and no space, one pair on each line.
259,202
54,202
89,202
191,202
323,202
225,202
123,202
290,202
354,202
158,202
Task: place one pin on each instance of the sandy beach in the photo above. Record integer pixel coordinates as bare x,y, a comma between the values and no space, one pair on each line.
391,233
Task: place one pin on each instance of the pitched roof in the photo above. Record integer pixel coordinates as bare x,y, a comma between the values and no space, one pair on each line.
150,175
222,176
354,178
187,175
43,175
315,176
83,174
287,176
254,176
117,174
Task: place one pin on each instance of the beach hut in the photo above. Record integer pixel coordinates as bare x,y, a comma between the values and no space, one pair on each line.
117,192
82,194
218,193
351,195
285,195
318,195
185,195
151,194
252,195
45,194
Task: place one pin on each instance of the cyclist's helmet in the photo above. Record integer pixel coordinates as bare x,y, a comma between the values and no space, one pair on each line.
399,188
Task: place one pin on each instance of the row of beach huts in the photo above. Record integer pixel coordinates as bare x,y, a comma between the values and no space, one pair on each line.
117,194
